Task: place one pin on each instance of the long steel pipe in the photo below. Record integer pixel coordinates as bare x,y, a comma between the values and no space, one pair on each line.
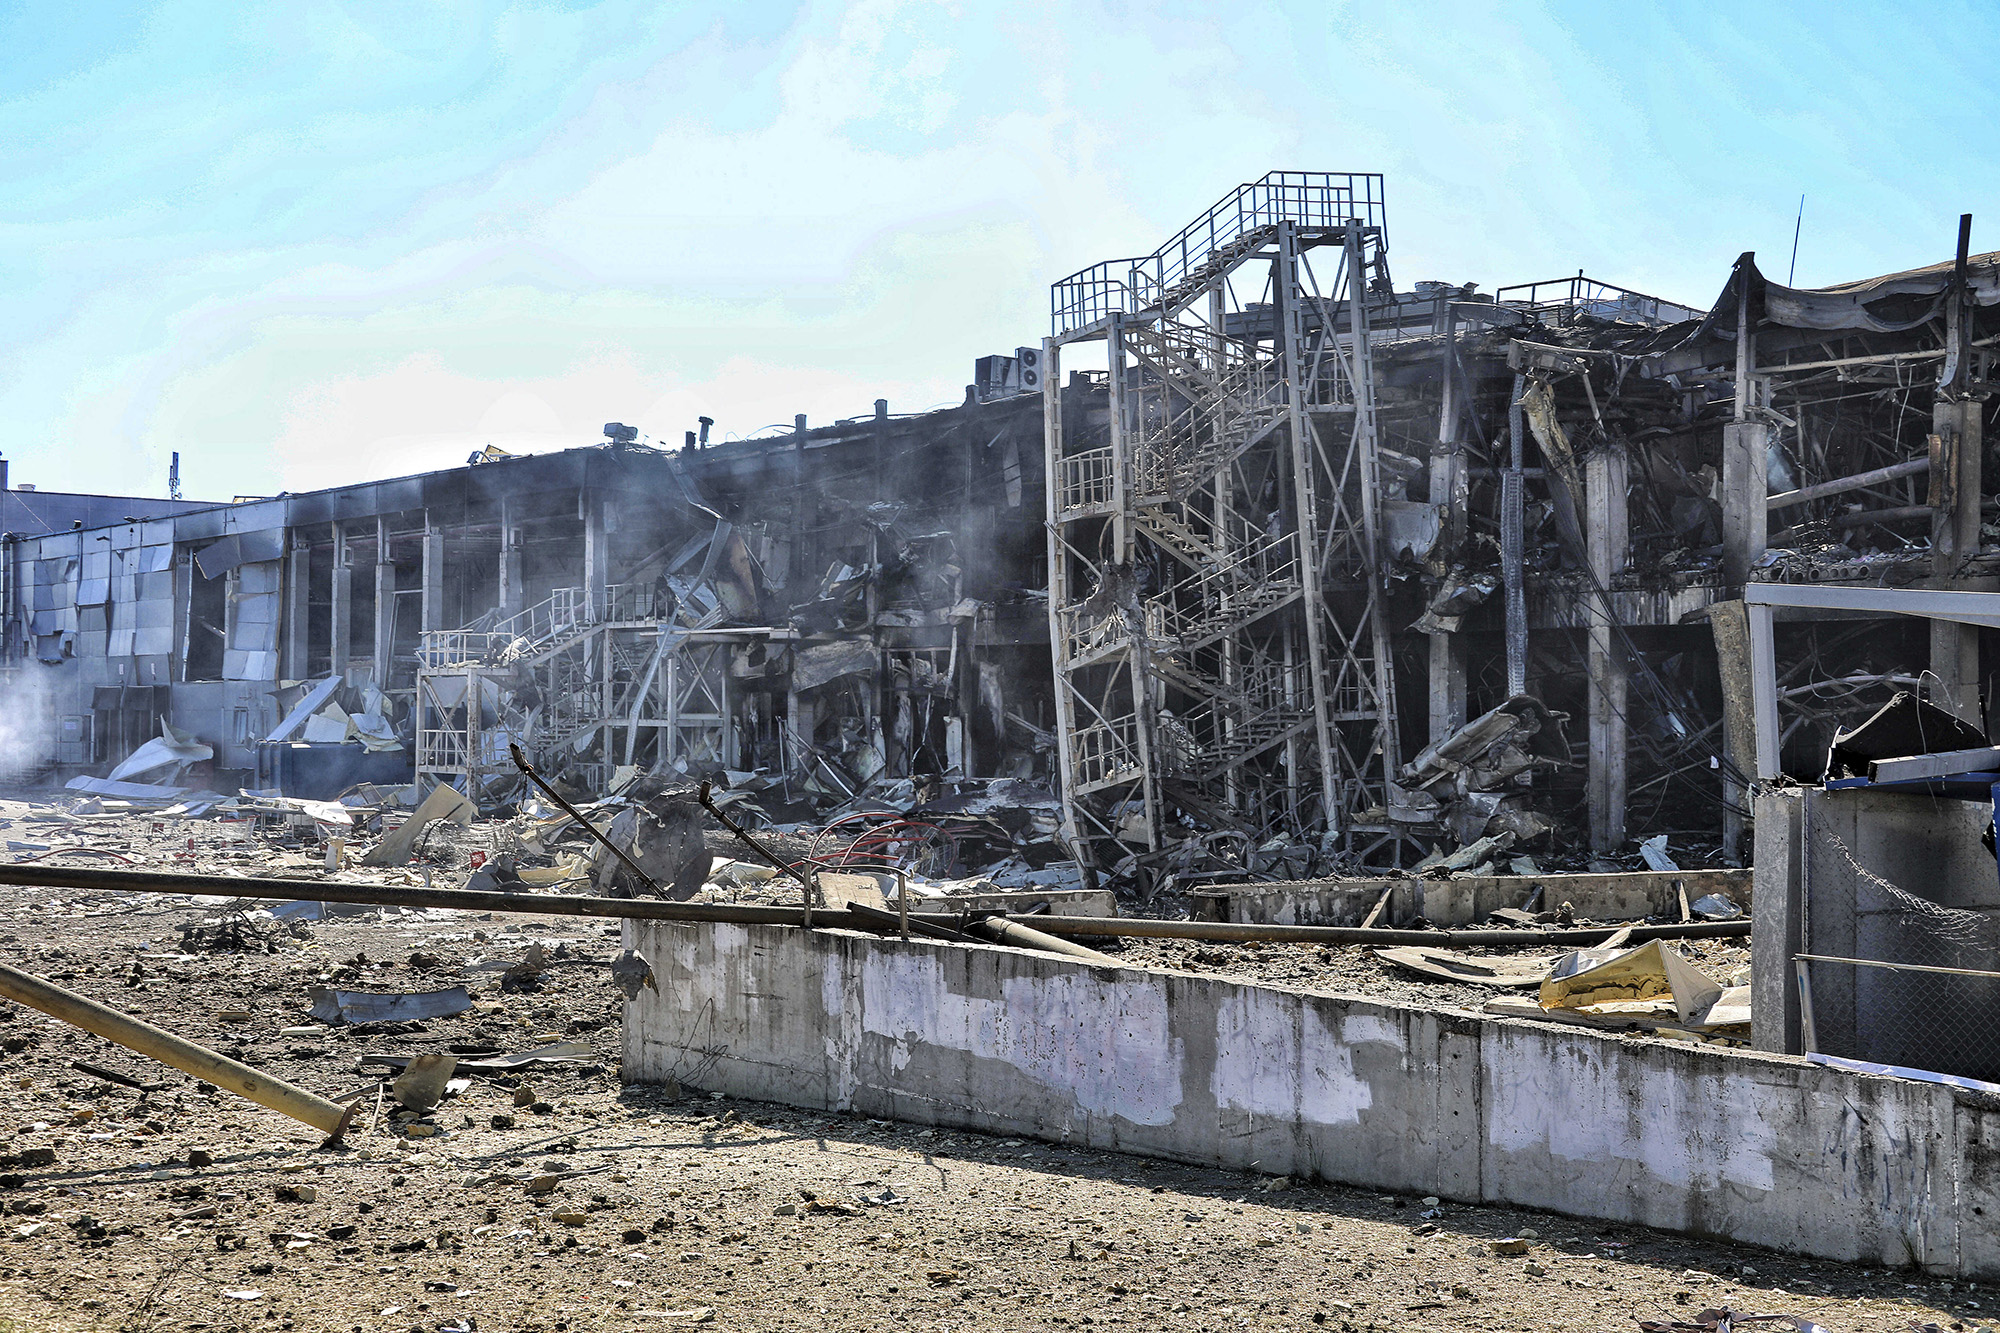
92,878
329,1118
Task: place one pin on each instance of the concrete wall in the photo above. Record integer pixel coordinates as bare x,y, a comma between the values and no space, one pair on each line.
1760,1149
1465,899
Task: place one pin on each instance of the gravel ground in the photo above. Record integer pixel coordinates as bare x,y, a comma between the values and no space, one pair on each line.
559,1200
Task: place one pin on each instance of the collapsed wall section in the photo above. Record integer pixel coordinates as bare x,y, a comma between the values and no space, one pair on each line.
1758,1149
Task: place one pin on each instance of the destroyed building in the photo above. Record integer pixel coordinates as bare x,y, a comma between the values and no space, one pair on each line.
691,610
1330,572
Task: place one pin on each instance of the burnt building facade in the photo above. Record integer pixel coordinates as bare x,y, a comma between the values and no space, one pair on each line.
1258,562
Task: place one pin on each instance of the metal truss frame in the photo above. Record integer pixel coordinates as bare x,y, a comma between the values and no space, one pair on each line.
1216,622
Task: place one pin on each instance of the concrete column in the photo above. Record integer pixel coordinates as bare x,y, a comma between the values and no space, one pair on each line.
1449,492
1730,622
433,577
590,507
511,593
1745,522
1956,442
298,619
341,627
1777,908
1745,452
1607,542
385,605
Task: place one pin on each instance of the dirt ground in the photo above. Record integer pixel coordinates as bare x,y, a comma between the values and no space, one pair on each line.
558,1200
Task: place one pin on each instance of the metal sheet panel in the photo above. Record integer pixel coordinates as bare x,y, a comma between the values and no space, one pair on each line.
238,664
261,577
240,548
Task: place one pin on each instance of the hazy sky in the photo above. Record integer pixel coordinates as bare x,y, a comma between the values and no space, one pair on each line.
310,243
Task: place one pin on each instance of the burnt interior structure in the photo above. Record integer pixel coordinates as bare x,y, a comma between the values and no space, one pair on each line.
1259,564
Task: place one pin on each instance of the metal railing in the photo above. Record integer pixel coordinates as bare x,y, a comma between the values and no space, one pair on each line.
1105,753
1228,595
1602,300
1310,199
1213,241
1089,295
1087,479
562,613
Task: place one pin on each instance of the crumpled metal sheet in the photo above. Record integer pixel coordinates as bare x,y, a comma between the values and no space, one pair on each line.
353,1006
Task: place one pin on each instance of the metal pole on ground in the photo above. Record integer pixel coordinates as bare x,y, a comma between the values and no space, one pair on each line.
329,1118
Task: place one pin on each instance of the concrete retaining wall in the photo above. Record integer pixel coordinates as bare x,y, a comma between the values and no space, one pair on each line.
1465,899
1762,1149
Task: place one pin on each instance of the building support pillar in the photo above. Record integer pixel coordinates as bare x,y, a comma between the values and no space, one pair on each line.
1746,447
512,596
298,610
433,577
1956,442
385,604
1746,451
590,507
340,628
1449,494
1607,543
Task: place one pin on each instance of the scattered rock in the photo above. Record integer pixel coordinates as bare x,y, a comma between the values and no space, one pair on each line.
1510,1245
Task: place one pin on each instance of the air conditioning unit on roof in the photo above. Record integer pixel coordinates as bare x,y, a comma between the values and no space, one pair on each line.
1028,362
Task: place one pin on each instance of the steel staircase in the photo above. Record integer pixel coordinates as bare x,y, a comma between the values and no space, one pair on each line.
1216,482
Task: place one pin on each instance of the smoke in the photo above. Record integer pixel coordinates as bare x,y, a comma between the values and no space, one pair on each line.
27,723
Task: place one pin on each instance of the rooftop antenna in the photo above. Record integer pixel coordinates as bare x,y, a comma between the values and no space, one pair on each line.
1792,272
174,479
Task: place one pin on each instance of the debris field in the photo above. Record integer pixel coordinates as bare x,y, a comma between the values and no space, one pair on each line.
547,1196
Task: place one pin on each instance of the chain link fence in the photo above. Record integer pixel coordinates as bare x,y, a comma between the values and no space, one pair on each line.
1929,998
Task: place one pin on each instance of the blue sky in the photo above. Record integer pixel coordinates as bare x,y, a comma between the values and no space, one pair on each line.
308,244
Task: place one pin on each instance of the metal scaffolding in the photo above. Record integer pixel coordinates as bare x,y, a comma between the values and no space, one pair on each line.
1216,623
583,685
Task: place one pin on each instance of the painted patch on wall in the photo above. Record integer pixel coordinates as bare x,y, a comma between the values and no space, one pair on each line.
1276,1056
1582,1109
1104,1044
